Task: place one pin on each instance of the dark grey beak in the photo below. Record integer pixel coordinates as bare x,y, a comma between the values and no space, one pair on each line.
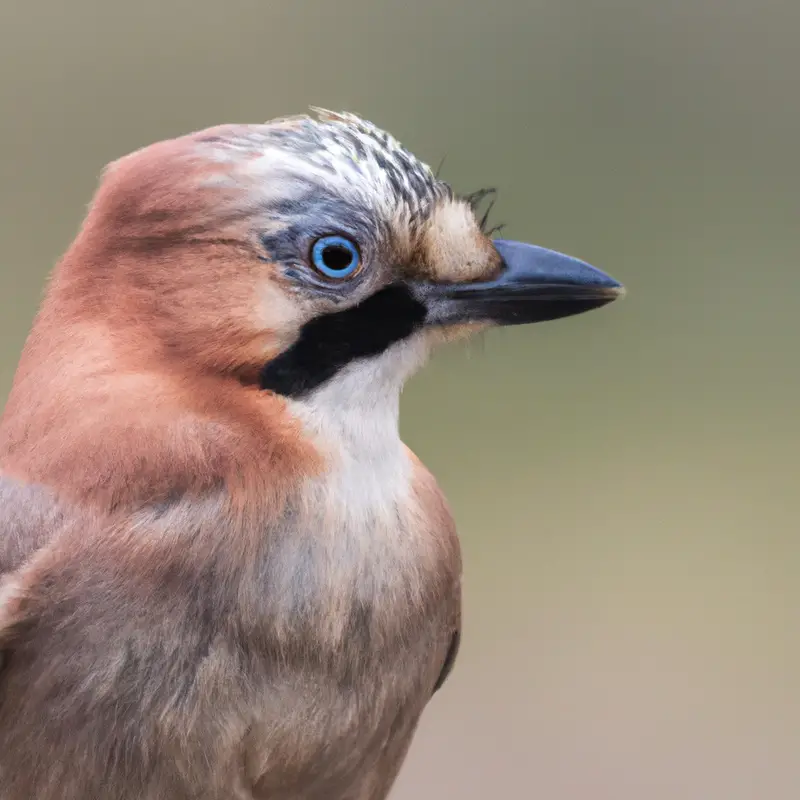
535,285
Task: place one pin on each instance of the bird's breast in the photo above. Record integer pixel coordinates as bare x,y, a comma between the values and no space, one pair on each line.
366,549
361,597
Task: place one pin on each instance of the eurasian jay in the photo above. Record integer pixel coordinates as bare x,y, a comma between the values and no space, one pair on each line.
222,573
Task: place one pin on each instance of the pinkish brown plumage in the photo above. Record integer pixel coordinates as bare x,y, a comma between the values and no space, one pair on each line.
222,574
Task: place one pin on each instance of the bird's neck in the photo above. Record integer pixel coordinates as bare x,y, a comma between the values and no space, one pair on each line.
352,421
354,413
357,411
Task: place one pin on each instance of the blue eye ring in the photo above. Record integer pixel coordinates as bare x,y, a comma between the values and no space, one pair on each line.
335,257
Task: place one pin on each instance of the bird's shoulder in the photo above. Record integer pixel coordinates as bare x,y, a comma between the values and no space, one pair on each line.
30,516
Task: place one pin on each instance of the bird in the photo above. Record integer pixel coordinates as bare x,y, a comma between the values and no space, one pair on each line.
222,573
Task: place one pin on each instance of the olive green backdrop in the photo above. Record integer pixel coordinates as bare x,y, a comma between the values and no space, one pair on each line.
626,482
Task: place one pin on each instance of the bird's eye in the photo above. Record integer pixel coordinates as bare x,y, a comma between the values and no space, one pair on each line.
335,256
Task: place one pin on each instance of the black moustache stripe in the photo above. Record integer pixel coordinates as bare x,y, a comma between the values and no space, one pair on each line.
331,342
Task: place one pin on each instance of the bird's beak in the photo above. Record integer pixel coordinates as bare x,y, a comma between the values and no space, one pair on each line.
535,285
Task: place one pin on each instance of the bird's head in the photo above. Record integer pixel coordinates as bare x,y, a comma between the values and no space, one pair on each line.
290,252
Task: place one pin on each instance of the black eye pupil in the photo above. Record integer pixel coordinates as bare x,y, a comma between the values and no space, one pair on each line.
336,257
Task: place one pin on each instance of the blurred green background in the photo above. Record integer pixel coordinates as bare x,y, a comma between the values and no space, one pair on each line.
625,482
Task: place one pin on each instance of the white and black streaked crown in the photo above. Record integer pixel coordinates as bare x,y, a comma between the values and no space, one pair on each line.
357,156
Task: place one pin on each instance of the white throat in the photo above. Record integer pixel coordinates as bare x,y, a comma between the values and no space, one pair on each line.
359,407
353,420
